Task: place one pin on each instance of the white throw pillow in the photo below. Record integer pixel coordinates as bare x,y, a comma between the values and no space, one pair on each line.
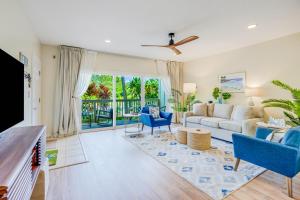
241,113
223,110
275,136
200,109
154,111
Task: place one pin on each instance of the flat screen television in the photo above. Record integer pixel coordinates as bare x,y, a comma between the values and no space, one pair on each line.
12,91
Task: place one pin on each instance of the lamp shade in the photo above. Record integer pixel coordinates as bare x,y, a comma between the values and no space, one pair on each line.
189,87
253,92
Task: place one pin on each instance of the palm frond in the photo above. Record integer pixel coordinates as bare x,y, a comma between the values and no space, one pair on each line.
279,105
283,101
296,94
282,85
292,118
292,123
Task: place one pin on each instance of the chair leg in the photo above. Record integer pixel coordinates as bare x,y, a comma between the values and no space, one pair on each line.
151,130
170,128
290,187
236,164
142,127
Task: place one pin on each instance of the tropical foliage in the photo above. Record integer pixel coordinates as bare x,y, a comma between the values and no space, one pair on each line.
126,88
178,105
291,107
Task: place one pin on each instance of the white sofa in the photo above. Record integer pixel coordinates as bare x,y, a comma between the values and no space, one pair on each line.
224,119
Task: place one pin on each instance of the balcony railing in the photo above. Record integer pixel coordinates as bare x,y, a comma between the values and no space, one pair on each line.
99,113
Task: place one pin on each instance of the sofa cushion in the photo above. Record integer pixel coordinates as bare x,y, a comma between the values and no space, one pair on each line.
210,109
223,111
241,113
211,121
194,119
231,125
200,109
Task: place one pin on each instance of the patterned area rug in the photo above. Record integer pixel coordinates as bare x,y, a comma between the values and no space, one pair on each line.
211,171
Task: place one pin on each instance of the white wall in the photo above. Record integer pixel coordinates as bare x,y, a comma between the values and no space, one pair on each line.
105,63
16,35
264,62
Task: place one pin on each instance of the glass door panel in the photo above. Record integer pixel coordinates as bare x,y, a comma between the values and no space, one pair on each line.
97,103
128,97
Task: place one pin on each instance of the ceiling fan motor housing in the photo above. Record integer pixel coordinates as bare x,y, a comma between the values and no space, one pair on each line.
171,35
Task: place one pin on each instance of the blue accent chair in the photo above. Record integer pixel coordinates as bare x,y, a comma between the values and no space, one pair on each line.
148,120
282,158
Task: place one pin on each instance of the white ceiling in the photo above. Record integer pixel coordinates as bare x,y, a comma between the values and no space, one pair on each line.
221,24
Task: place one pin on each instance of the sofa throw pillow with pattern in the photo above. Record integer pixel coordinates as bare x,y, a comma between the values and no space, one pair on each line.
154,111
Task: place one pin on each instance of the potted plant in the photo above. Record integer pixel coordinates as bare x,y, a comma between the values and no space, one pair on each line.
291,107
220,96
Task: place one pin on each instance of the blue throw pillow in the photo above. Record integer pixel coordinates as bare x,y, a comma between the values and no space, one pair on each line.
292,138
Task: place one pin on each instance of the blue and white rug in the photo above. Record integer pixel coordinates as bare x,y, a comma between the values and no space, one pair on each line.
211,171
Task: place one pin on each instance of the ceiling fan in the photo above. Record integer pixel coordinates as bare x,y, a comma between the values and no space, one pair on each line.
172,45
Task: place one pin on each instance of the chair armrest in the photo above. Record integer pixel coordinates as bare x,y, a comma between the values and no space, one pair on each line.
249,126
166,115
273,156
262,132
146,119
185,115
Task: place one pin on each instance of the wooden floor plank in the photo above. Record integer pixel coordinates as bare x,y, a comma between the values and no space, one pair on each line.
118,170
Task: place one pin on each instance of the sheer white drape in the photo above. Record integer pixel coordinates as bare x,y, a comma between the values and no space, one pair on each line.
162,71
175,72
87,67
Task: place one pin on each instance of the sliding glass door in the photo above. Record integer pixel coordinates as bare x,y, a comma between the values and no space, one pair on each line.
108,98
97,103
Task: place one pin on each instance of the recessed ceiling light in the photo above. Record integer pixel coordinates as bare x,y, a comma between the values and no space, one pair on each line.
252,26
107,41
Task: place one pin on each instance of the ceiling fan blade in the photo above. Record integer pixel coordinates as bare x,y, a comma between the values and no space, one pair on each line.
186,40
175,50
144,45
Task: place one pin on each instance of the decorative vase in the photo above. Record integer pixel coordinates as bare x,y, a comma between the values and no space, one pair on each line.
220,100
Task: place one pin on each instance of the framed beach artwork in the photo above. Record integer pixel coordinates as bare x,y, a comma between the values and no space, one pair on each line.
235,82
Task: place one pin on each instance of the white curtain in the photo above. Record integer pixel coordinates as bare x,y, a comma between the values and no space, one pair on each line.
69,62
162,71
86,71
175,72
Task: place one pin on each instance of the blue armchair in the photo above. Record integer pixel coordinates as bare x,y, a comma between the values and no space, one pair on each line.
148,120
283,158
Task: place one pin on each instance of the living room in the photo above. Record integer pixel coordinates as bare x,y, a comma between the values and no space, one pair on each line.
150,100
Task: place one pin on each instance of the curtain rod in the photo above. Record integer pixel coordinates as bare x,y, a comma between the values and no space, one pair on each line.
155,60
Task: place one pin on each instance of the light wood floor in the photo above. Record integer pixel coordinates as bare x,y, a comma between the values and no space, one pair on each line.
118,170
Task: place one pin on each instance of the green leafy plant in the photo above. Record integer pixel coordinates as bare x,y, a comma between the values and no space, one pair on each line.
178,105
175,101
217,93
226,95
291,107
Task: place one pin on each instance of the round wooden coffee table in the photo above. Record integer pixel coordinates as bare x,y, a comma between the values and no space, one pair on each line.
199,139
181,135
